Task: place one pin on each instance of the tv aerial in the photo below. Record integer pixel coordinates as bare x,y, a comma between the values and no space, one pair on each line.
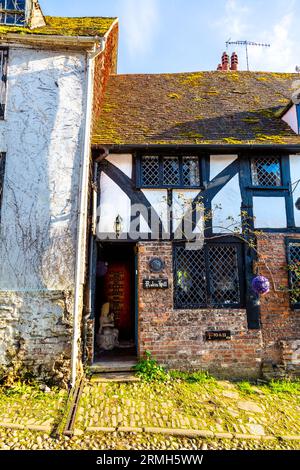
246,44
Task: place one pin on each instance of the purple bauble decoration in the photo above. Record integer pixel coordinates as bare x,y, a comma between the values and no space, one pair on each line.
261,285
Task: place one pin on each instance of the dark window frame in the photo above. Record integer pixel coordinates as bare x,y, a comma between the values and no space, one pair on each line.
223,241
2,173
11,14
3,80
161,184
288,242
268,187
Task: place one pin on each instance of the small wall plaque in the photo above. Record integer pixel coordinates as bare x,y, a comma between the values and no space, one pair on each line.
155,283
217,335
156,265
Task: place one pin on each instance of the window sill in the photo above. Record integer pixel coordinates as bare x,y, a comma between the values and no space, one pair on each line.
187,188
269,188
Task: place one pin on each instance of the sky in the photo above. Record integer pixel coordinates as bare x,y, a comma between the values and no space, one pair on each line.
168,36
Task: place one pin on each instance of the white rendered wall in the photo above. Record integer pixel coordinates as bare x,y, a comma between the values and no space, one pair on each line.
123,162
114,203
227,203
269,212
226,208
291,118
295,179
43,138
218,163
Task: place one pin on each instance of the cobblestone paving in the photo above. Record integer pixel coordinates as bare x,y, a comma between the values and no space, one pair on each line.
218,407
34,411
27,440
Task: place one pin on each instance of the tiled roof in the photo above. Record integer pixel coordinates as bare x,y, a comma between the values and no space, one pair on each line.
196,108
55,25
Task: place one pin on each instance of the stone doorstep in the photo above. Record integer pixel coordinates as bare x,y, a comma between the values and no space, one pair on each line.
115,377
192,433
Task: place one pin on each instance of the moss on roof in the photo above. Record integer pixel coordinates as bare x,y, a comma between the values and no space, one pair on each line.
205,107
60,26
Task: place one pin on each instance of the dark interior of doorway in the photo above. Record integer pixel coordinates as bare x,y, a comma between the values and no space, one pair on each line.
115,284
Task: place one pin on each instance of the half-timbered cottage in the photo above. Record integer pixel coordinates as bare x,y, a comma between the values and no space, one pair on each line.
210,158
136,210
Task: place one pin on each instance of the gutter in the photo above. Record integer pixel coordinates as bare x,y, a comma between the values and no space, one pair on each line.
224,148
78,42
82,215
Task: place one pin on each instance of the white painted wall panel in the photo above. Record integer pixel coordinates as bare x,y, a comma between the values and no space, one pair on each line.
182,204
158,199
269,212
123,162
291,118
218,163
226,207
114,202
46,106
295,177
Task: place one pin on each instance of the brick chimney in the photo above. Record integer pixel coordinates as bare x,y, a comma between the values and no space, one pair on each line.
224,66
234,62
225,62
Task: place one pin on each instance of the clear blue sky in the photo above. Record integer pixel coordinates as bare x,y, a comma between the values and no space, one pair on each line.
189,35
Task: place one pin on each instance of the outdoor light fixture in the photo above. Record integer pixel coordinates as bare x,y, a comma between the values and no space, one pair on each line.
118,225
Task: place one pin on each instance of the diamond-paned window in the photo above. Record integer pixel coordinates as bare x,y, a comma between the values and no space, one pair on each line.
169,172
190,171
224,275
189,278
210,277
2,169
294,271
150,171
12,12
3,78
266,172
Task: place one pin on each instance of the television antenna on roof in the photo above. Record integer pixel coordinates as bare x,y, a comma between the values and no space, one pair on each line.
246,44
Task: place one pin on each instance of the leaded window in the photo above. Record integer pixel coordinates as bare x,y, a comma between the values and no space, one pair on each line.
210,277
2,168
3,79
169,171
266,172
12,12
293,251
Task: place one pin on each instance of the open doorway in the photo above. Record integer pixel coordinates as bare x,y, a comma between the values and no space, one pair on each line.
115,303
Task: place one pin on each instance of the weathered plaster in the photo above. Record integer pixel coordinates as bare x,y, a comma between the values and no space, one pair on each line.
43,140
35,329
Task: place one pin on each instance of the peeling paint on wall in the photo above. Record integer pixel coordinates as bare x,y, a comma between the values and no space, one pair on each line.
43,138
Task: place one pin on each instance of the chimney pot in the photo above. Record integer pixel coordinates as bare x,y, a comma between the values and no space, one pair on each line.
234,62
225,61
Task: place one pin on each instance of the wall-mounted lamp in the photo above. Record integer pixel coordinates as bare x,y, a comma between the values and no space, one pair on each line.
118,226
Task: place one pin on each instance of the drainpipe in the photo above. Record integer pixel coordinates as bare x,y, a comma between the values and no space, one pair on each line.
89,306
82,215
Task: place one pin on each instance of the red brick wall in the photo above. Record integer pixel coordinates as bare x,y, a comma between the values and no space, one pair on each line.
176,337
278,320
105,65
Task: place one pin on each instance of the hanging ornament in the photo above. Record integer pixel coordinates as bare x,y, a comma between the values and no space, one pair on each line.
261,285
